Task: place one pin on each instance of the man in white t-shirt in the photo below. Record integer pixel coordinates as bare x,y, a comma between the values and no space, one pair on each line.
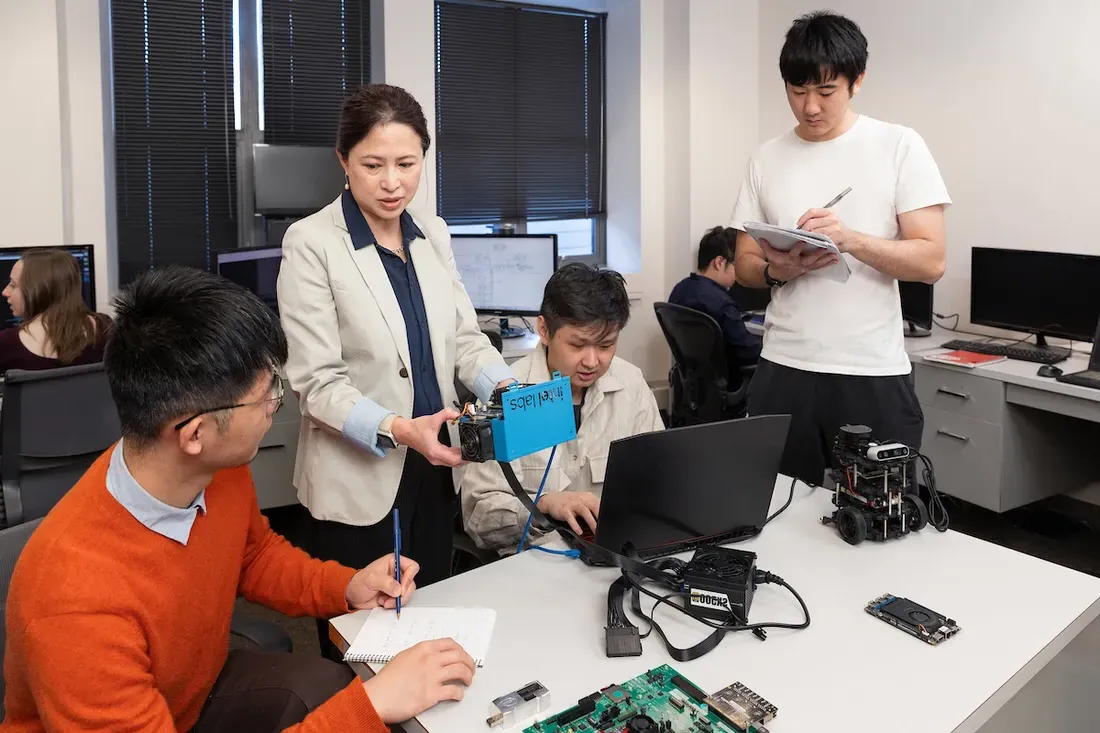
834,353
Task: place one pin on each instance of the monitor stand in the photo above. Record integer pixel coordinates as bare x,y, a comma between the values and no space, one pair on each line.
507,332
913,331
1041,345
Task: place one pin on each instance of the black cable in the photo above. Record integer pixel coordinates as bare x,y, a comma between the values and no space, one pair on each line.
762,577
942,317
937,512
783,508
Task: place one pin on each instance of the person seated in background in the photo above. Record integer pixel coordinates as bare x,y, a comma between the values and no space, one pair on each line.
707,290
119,608
583,311
57,328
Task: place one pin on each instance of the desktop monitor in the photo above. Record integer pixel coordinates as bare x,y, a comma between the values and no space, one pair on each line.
85,258
505,274
295,180
1044,293
916,308
254,268
750,299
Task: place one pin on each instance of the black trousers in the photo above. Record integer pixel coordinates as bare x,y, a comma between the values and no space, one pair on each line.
820,404
261,692
427,505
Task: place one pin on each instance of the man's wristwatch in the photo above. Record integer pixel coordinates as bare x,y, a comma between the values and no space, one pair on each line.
769,280
385,437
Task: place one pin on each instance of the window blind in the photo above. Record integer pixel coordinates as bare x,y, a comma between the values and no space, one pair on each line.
175,147
519,112
314,53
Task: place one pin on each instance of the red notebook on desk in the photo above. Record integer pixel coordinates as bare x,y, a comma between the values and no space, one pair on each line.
966,359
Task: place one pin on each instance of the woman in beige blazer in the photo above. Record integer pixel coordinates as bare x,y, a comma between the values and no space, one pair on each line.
379,324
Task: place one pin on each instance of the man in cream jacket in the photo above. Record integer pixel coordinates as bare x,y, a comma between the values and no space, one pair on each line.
583,311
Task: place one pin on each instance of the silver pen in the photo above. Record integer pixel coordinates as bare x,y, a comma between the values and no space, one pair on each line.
839,196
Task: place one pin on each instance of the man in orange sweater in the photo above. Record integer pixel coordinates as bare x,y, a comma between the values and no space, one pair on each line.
119,608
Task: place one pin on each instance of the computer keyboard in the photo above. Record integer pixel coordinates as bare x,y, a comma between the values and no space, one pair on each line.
1019,353
1087,378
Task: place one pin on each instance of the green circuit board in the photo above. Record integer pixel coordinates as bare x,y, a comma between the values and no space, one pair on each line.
662,701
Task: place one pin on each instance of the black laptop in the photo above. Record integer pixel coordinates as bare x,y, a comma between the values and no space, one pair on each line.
673,490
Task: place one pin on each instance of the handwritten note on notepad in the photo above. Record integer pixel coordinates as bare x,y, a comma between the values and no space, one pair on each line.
384,636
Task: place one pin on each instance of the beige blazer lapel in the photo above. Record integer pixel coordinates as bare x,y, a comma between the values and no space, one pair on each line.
369,264
437,286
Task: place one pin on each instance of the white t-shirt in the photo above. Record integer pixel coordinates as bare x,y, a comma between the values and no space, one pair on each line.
813,323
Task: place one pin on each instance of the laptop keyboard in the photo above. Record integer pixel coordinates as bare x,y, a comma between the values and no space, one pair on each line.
675,548
1087,378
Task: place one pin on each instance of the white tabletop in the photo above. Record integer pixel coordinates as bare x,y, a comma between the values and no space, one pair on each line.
521,346
848,672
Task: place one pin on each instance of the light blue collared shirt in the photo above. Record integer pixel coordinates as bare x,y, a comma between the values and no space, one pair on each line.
164,519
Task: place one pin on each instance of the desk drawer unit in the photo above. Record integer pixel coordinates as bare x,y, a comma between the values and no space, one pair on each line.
959,392
966,454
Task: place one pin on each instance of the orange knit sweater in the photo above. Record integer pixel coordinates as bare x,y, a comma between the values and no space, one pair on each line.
111,626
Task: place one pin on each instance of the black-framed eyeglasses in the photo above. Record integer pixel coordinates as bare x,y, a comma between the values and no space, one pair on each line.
276,397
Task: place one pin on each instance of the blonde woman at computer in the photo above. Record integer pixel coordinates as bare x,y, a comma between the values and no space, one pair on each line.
56,328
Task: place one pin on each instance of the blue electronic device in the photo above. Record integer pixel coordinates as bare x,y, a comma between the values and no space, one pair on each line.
520,420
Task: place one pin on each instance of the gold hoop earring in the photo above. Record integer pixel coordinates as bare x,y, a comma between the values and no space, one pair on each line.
347,183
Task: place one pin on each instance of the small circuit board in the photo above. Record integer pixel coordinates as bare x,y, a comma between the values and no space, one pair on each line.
662,701
913,618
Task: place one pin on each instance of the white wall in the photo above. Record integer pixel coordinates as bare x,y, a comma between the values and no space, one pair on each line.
53,149
1005,96
30,128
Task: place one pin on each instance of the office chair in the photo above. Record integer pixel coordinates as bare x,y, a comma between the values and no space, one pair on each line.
12,541
698,383
53,425
466,555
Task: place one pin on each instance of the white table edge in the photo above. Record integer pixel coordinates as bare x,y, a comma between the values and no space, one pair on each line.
1025,674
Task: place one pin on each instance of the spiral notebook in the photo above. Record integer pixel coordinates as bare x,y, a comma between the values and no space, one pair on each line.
783,239
384,636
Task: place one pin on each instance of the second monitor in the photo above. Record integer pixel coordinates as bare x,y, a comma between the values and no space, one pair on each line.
505,275
916,308
1044,293
254,268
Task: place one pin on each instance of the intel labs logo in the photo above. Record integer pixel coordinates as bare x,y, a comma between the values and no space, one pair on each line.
710,599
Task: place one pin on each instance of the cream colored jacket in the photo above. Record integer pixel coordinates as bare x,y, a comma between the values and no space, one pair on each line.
618,405
349,357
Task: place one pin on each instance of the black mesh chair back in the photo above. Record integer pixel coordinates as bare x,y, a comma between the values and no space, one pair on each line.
53,424
698,383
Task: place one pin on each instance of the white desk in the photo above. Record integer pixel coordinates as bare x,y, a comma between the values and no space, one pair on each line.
1001,436
517,348
848,672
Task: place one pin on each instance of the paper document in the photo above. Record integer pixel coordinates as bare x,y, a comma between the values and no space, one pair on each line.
384,636
784,239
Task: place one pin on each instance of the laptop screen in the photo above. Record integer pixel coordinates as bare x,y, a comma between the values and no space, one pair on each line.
685,483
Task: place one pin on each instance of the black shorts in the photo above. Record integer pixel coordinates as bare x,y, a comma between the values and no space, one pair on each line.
820,404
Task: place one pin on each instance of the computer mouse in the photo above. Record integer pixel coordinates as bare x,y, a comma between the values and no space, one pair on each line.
1049,370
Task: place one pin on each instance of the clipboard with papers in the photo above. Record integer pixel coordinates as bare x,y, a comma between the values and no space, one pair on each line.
785,239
